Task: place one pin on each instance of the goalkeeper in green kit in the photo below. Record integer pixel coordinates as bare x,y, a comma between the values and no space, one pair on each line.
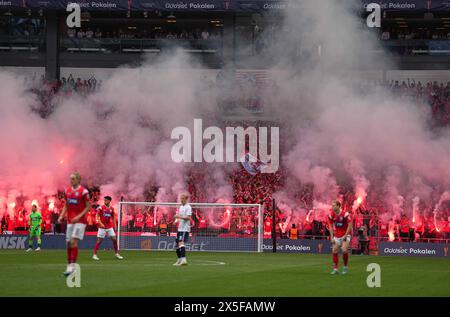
35,228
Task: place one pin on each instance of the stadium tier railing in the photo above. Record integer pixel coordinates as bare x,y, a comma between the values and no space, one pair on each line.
22,43
135,45
419,46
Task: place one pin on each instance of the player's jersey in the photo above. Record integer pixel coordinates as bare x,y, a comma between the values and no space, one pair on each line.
76,202
35,219
339,222
106,215
185,225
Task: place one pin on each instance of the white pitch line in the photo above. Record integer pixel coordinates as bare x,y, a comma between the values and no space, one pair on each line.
213,262
100,264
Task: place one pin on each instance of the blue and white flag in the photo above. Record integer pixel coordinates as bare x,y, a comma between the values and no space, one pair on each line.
252,164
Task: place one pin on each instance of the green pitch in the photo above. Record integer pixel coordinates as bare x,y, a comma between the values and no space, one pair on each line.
146,273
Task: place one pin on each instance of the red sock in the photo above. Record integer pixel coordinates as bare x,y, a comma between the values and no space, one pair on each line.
74,254
69,255
115,246
335,260
97,245
345,257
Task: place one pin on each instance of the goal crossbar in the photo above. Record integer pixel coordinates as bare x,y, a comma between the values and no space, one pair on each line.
191,204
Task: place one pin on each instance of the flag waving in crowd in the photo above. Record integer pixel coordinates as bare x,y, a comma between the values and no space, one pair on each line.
252,164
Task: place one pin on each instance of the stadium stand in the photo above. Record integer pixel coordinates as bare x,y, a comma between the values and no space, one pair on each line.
247,189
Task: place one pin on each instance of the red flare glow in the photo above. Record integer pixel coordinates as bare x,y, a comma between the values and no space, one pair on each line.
357,202
51,204
391,236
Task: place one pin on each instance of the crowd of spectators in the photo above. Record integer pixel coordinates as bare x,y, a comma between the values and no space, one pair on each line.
248,189
404,41
21,27
50,92
369,221
432,93
414,34
243,91
155,33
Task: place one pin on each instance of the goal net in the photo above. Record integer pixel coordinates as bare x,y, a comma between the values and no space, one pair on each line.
214,226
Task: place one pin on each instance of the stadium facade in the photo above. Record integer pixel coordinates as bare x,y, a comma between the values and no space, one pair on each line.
35,34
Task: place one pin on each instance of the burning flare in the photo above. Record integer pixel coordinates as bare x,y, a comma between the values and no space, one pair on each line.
391,235
51,204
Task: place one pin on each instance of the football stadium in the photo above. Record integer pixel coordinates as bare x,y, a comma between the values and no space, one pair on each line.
225,148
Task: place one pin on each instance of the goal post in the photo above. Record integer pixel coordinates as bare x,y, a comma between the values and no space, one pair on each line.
214,226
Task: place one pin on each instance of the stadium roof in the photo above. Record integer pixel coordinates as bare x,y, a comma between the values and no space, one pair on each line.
207,5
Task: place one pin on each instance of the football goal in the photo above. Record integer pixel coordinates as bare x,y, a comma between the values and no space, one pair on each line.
214,226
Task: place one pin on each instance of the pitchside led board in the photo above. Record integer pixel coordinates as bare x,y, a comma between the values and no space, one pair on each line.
20,242
413,249
209,5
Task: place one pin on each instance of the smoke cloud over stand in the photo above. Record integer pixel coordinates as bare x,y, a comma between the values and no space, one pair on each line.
341,136
119,137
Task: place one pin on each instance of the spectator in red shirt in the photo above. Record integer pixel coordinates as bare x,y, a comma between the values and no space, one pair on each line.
149,222
139,221
308,225
282,226
20,220
404,228
202,224
383,229
267,227
4,223
47,221
91,223
447,229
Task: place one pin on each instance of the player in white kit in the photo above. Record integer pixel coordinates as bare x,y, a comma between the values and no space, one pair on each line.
183,218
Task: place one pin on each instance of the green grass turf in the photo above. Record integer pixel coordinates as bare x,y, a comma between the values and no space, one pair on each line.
146,273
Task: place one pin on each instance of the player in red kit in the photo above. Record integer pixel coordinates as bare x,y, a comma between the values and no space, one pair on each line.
76,207
340,223
106,223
